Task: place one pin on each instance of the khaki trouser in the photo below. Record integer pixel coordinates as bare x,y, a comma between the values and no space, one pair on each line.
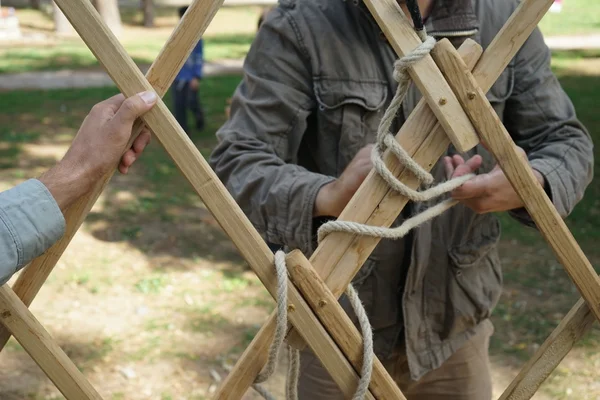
464,376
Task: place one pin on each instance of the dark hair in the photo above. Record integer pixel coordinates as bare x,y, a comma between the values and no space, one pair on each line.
182,11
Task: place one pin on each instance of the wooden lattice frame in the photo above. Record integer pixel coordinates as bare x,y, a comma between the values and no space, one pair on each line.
454,108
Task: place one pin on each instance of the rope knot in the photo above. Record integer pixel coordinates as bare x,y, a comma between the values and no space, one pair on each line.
385,140
401,65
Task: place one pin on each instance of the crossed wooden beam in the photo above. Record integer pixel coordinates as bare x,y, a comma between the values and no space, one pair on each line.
453,109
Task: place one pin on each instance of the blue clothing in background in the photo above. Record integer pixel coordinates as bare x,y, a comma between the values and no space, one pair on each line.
193,65
184,97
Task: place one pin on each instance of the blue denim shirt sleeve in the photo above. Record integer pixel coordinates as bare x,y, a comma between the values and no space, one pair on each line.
30,223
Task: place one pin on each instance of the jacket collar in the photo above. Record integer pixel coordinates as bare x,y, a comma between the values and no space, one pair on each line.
448,18
452,18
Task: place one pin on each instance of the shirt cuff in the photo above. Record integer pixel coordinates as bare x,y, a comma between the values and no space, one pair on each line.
33,220
311,224
551,182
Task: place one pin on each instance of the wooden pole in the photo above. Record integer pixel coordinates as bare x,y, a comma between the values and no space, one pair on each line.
213,193
519,173
38,343
572,328
426,75
161,74
339,256
422,148
333,316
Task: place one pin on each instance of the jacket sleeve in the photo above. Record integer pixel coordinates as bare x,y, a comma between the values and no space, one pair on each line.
542,120
257,150
30,223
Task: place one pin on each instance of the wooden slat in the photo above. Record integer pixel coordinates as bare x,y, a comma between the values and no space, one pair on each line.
572,328
339,325
509,40
425,147
426,75
202,178
161,74
519,174
251,362
38,343
339,257
374,203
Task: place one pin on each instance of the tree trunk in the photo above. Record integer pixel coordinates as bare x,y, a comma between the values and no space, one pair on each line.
109,11
62,26
148,8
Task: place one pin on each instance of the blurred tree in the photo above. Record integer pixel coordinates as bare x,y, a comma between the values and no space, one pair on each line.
148,9
109,11
62,26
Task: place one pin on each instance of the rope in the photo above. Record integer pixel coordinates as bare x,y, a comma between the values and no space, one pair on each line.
385,140
280,329
367,333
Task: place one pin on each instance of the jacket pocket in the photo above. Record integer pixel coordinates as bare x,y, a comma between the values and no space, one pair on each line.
476,280
349,112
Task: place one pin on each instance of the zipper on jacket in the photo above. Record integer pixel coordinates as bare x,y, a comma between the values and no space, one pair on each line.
454,33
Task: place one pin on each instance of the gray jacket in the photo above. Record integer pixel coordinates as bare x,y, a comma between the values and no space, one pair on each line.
30,222
317,80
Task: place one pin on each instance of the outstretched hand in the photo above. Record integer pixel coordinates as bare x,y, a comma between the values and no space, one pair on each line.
105,132
488,192
99,146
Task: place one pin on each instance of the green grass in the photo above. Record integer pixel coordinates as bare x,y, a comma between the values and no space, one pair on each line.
31,116
537,290
73,54
154,284
540,292
229,37
577,17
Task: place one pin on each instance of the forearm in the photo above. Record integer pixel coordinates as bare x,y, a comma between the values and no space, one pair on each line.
66,183
30,222
278,198
566,162
543,121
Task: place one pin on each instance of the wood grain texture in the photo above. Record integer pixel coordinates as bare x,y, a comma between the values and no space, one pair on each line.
160,75
251,362
211,190
574,325
374,203
519,173
38,343
338,324
340,256
425,74
515,31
